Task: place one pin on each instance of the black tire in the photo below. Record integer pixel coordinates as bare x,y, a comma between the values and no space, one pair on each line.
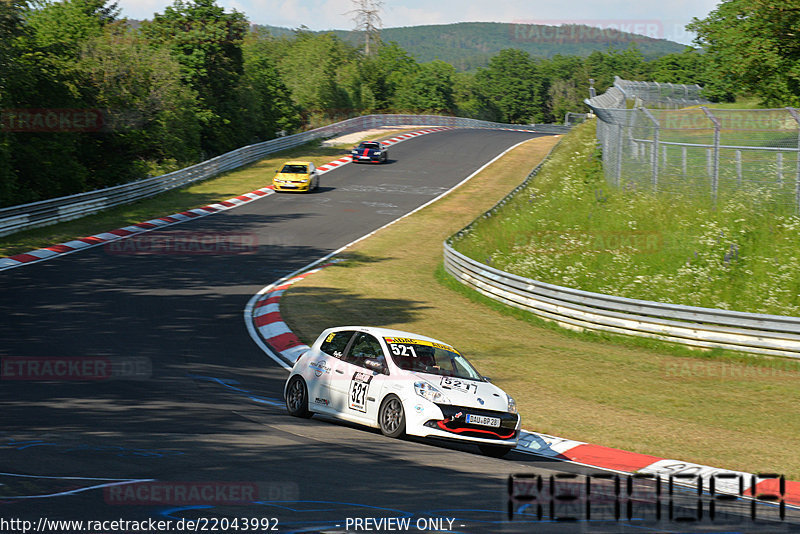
391,417
297,398
495,451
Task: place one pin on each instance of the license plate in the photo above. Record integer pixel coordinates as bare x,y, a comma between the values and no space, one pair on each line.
483,420
363,157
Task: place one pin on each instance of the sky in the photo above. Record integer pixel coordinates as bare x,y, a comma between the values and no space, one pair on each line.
653,18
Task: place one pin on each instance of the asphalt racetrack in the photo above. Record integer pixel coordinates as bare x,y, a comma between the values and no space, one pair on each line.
186,421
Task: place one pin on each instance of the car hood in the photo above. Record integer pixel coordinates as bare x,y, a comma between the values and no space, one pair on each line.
469,393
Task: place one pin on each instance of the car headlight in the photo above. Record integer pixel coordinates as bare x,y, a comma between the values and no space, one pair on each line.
427,391
378,153
512,404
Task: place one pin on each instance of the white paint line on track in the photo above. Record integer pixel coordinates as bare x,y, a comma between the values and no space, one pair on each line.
248,310
108,482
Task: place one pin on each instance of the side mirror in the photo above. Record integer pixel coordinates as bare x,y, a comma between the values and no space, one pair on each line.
374,365
487,378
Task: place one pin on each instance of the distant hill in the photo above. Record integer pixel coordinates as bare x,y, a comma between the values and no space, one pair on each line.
469,45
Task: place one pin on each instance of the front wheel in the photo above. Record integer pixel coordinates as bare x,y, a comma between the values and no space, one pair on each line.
495,451
297,398
391,417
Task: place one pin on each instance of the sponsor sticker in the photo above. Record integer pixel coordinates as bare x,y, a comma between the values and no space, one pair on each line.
412,341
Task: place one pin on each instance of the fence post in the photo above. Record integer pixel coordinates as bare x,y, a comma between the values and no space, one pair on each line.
796,117
715,172
620,147
654,153
683,161
739,167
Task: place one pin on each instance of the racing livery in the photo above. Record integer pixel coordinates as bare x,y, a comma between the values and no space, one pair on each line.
370,151
401,383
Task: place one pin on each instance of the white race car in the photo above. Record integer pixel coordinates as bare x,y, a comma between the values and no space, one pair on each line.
402,383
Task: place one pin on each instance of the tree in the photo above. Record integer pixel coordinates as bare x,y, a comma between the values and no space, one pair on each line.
429,89
266,96
513,84
753,46
568,85
48,76
12,32
628,64
470,101
367,20
310,69
151,112
688,67
207,42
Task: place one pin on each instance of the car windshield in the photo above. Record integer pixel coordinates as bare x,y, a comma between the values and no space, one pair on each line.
430,357
294,169
369,145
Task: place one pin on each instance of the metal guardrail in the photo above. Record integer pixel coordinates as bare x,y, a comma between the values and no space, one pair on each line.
16,218
776,335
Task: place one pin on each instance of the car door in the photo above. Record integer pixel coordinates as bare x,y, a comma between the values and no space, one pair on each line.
323,367
355,388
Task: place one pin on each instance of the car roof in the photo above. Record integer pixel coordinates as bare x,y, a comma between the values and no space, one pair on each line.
389,332
297,162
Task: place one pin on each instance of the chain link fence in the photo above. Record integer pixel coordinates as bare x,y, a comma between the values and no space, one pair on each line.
697,151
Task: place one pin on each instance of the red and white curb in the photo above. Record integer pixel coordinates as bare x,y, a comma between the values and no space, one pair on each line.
83,243
771,487
266,320
263,316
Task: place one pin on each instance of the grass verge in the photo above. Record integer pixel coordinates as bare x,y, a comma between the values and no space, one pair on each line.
699,407
223,187
570,228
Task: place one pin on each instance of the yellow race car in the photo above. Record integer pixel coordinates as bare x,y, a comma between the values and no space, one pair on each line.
296,176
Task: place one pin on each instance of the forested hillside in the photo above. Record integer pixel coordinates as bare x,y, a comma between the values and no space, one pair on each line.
470,45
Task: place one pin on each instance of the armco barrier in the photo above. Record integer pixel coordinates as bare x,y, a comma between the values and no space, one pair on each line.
572,308
51,211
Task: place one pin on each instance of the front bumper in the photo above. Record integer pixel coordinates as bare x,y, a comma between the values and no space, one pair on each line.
427,419
296,186
368,159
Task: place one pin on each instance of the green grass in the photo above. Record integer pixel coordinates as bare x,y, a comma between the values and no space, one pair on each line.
741,102
209,191
725,410
571,229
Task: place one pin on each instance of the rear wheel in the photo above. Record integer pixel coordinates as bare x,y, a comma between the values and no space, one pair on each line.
297,398
391,417
495,451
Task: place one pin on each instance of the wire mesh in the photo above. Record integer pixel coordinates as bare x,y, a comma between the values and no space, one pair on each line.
695,150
